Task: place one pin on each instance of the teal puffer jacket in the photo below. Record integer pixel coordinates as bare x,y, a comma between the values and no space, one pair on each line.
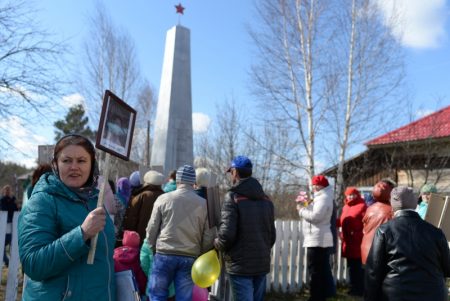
52,250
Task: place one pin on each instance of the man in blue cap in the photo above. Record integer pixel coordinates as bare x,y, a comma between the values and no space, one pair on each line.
246,233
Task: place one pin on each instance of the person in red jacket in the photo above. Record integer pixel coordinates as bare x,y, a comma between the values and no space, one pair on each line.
377,214
351,234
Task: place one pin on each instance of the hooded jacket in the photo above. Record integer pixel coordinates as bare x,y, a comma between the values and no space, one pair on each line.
52,250
247,230
376,215
351,224
140,209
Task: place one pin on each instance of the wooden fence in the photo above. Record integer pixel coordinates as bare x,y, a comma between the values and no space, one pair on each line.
10,294
288,272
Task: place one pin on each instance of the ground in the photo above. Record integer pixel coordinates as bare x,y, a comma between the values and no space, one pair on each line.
340,296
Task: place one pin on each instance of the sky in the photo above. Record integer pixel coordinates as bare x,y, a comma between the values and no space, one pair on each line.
221,53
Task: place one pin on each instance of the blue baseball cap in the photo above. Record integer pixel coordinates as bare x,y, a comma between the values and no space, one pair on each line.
240,162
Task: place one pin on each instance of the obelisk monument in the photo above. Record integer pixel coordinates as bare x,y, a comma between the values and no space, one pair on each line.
173,145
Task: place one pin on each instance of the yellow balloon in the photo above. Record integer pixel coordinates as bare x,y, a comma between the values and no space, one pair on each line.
206,269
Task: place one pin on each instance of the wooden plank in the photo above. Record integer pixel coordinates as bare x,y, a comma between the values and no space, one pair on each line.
3,219
435,208
444,223
277,252
14,264
100,201
285,255
301,254
293,260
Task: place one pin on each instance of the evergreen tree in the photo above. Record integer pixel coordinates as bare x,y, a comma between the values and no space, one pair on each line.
75,122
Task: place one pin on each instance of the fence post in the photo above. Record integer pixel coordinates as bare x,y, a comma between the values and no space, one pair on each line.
3,218
13,269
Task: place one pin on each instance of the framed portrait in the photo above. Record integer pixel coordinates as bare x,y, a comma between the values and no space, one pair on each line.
115,130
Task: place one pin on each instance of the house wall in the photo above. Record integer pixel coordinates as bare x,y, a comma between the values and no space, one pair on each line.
417,178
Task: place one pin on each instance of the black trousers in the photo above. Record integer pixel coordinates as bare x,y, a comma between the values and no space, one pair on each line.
319,272
356,274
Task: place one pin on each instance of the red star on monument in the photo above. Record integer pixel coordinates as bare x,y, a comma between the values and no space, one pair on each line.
180,9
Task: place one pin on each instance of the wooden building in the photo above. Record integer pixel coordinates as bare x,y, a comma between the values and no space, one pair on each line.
412,155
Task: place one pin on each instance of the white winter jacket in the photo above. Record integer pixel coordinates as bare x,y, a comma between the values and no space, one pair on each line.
316,220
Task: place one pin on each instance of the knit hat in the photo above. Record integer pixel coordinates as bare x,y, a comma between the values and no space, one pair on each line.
403,197
186,175
320,180
131,239
135,179
428,188
351,190
153,177
202,177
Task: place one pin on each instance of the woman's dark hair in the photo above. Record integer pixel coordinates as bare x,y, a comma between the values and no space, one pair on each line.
74,139
39,171
173,175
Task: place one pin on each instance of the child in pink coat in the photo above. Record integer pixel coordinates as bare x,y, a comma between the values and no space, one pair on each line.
126,257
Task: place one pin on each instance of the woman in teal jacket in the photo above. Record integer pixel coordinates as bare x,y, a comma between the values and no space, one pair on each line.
56,226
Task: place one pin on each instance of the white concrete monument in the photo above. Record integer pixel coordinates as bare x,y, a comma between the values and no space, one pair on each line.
173,145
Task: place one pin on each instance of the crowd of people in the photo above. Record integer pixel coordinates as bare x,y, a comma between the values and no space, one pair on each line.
157,231
392,253
160,227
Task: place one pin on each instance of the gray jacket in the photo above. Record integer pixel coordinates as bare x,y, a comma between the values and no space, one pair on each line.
179,224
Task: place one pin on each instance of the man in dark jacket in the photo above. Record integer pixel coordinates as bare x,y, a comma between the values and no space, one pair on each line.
246,233
409,258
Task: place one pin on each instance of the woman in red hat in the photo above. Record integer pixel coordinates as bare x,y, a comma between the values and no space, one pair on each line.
318,238
351,235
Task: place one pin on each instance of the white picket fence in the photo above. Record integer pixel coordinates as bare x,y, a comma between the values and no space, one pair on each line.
12,282
288,272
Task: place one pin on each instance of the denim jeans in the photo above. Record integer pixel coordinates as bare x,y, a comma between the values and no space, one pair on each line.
247,288
168,268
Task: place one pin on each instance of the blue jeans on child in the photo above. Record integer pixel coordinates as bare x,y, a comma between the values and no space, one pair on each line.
247,288
168,268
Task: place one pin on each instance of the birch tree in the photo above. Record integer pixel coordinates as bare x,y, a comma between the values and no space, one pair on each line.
328,71
288,71
32,68
146,104
109,62
364,86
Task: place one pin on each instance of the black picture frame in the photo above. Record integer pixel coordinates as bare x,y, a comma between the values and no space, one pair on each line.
116,126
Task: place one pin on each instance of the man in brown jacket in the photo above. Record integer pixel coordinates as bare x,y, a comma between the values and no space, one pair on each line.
140,207
377,214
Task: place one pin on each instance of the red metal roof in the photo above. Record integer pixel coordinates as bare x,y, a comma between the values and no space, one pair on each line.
436,125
